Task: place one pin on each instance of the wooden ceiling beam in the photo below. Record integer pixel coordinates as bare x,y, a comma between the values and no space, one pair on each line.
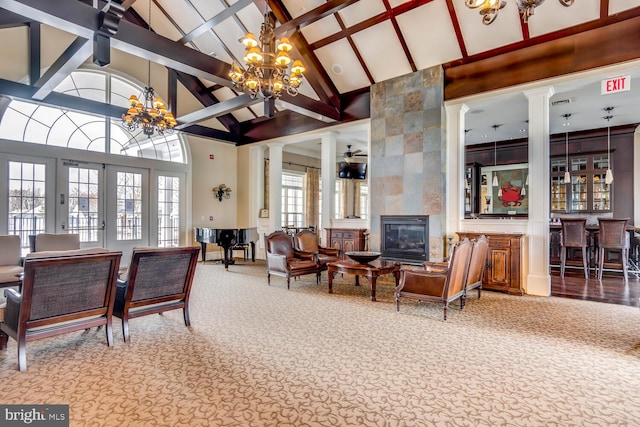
83,20
73,57
582,51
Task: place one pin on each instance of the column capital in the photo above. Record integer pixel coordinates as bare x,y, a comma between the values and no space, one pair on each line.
457,108
548,91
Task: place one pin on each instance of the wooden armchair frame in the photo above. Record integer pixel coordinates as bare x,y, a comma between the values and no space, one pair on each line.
159,280
61,294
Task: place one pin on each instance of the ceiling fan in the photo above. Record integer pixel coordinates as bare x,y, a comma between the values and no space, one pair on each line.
350,156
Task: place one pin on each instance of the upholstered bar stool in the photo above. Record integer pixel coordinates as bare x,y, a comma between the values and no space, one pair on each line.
613,236
574,235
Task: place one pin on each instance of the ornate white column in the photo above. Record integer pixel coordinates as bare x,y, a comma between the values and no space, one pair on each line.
256,183
539,278
328,163
454,205
275,185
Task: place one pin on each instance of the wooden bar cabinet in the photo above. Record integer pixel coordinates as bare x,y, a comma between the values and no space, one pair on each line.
503,261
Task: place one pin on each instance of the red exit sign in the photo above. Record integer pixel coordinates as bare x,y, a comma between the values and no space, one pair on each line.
616,84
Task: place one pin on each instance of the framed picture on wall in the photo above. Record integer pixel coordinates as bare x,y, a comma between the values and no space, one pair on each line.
264,213
504,190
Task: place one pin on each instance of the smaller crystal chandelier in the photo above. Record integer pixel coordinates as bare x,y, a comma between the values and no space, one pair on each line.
152,116
489,8
221,191
267,68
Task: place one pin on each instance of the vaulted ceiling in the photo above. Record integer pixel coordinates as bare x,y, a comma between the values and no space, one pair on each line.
345,45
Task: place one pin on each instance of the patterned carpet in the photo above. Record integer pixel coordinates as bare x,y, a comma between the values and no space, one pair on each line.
259,355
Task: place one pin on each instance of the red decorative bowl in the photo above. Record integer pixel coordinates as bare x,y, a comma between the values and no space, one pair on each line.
363,257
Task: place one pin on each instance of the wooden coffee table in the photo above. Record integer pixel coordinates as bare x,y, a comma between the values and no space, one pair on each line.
371,271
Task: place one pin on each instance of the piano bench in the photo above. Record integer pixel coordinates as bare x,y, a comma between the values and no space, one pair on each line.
241,247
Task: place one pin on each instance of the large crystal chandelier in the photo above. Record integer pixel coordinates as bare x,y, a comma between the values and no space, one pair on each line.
267,68
489,8
152,116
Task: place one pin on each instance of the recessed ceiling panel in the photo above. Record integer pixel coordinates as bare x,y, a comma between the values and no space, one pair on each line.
186,17
159,22
207,8
553,16
382,52
361,11
616,6
419,26
321,29
230,33
342,65
18,50
208,44
396,3
251,18
307,90
300,7
506,28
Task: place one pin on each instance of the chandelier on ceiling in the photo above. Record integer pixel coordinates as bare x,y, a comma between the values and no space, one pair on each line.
152,116
489,8
267,68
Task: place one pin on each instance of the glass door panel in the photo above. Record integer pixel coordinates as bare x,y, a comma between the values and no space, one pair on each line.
579,193
84,215
127,209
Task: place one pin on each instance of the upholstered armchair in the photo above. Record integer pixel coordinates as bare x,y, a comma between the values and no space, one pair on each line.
307,241
56,242
10,267
158,280
443,286
283,260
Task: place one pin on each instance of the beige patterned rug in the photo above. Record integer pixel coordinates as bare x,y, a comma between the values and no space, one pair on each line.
259,355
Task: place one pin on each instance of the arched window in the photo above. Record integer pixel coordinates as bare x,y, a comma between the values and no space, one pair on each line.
39,124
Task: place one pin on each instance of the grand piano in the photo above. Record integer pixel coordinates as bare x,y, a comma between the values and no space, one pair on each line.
228,239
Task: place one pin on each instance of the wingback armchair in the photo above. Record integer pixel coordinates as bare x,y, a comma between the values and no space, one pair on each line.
442,286
307,241
283,260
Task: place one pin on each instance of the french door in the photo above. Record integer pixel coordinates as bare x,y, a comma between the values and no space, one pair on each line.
106,205
81,202
127,209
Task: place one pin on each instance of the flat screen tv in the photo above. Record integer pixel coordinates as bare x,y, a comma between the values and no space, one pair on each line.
352,170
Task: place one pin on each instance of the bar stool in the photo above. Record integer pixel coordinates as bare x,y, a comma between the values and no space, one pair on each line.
574,235
613,235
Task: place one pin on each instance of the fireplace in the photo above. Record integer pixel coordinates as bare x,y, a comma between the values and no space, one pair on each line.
405,238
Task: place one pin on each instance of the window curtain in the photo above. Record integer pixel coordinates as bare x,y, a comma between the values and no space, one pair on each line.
312,195
344,200
356,199
265,202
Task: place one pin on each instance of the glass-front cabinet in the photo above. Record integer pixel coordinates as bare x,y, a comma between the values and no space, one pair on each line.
587,191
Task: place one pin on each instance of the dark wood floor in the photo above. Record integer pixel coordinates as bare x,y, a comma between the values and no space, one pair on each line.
612,289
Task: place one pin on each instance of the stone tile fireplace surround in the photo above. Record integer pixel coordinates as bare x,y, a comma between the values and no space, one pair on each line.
407,159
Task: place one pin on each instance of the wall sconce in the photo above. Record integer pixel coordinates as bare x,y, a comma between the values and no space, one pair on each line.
221,191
